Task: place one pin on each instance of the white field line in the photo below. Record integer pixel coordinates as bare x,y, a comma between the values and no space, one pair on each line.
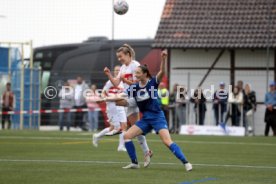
116,162
149,140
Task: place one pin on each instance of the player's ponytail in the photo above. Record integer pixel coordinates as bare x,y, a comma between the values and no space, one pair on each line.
145,69
127,49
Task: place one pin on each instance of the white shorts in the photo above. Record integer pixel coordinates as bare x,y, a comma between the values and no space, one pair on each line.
117,117
131,110
132,107
131,102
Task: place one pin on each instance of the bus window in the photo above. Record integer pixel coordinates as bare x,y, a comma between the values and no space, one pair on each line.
47,65
45,79
37,64
38,55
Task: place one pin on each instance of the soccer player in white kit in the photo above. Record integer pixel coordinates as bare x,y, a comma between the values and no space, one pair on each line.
125,54
116,114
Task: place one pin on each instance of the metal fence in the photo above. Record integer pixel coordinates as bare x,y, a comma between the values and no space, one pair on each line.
190,79
252,121
25,83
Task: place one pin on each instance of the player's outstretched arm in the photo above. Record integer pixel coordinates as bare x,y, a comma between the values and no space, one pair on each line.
161,73
115,98
122,103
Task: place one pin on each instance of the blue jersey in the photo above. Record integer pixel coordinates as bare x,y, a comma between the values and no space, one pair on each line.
146,97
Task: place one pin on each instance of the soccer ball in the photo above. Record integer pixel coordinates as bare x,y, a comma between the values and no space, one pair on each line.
120,7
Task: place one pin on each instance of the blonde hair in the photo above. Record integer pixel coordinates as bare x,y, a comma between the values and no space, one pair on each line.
247,88
127,49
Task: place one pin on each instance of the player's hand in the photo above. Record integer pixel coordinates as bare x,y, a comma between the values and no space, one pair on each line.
100,100
122,77
107,71
164,54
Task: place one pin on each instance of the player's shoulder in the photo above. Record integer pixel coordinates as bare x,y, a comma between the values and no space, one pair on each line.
134,86
108,84
123,67
135,63
154,80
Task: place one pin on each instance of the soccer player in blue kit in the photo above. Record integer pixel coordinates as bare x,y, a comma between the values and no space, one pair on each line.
145,94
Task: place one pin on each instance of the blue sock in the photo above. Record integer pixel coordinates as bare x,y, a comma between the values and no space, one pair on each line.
175,149
131,151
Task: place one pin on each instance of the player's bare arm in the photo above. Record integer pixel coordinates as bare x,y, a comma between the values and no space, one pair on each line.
116,97
161,72
113,80
129,82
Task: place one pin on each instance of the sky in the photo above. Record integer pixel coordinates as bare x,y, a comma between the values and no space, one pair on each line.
50,22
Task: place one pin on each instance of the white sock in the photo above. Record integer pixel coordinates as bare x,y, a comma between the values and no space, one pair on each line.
103,132
121,140
143,143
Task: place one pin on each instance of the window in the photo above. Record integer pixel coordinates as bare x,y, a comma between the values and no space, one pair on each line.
45,79
39,55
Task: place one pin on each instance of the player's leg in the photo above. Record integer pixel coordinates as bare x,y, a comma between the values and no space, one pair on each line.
133,109
123,126
141,140
160,126
96,137
130,134
175,149
117,117
121,146
133,118
117,130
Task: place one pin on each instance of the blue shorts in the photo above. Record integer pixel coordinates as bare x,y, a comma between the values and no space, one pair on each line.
146,125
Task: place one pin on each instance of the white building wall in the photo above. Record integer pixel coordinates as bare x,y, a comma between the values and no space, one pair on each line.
198,58
253,58
257,79
205,58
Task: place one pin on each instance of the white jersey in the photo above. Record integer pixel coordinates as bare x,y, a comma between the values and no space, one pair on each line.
128,72
110,89
115,114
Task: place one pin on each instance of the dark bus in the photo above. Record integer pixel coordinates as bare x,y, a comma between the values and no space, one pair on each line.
60,63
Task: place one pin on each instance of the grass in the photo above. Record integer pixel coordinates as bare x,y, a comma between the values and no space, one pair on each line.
33,157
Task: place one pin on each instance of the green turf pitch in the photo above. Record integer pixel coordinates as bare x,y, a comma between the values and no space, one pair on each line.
33,157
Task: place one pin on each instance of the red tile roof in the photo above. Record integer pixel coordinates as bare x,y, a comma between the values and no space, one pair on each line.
217,24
